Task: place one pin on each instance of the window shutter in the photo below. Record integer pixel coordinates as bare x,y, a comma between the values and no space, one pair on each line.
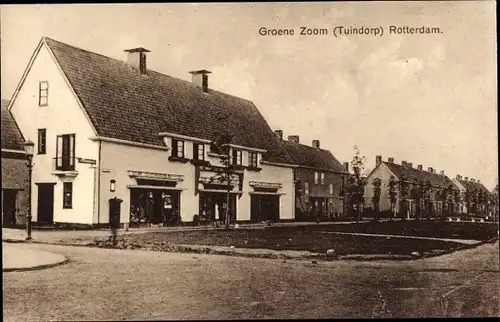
71,149
195,151
174,147
59,145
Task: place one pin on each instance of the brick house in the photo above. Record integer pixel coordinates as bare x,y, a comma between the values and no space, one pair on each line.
319,180
15,179
107,128
428,191
475,197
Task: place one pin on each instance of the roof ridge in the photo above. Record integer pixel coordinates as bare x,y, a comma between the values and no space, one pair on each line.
150,70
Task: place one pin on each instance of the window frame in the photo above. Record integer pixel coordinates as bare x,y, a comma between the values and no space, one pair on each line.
253,159
322,178
45,92
42,143
68,189
60,150
197,154
237,157
330,189
316,177
176,152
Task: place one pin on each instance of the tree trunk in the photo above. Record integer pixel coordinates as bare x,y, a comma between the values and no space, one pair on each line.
227,208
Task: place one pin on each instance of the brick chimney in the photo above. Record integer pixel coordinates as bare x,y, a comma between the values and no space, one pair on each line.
137,58
410,165
346,166
430,169
472,179
459,177
478,181
390,160
466,178
420,167
442,172
200,79
315,144
378,160
404,163
293,138
279,133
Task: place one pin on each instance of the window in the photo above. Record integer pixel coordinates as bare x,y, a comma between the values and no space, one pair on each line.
177,148
65,152
306,188
253,159
331,189
237,157
199,151
322,178
316,177
67,195
43,93
42,141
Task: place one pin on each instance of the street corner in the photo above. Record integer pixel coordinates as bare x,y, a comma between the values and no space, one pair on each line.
19,257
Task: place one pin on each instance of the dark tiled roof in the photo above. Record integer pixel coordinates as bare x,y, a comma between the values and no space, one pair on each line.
413,175
124,104
11,136
476,186
309,156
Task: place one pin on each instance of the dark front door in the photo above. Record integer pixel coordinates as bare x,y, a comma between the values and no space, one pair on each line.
45,211
9,208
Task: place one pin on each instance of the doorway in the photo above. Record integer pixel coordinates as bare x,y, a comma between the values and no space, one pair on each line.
45,209
264,207
9,208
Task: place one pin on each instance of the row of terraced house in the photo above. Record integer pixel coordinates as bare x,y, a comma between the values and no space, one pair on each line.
106,129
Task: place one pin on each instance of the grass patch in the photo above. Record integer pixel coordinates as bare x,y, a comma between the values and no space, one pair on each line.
280,239
421,228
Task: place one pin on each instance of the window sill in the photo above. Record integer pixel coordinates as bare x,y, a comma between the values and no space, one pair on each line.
237,167
199,162
256,169
178,159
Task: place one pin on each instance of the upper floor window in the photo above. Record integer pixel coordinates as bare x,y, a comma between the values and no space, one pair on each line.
237,159
331,189
199,151
65,150
43,93
42,141
178,148
316,177
306,188
322,178
253,159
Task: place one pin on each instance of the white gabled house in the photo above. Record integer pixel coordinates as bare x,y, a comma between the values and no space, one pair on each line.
106,128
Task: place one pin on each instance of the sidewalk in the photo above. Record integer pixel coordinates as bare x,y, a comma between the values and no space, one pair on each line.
17,257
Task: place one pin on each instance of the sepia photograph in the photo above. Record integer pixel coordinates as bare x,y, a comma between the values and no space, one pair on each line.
239,160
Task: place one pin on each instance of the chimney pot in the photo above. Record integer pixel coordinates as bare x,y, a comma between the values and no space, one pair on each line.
472,179
346,166
390,160
442,172
478,181
430,169
458,176
293,138
137,58
315,144
200,79
378,160
466,178
404,163
279,133
420,167
410,165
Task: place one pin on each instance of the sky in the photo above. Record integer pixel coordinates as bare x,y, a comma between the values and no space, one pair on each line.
427,99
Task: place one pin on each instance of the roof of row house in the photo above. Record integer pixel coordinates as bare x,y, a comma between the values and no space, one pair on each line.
124,104
473,185
12,138
308,156
413,174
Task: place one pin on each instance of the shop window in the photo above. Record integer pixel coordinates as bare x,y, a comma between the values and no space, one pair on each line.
67,195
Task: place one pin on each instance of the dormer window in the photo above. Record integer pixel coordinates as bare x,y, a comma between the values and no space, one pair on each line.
199,151
253,160
178,148
237,157
43,93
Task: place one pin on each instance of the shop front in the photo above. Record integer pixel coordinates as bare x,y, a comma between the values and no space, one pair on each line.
265,201
155,200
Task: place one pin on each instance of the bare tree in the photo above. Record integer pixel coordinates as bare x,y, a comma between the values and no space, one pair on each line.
392,194
357,166
224,174
377,183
